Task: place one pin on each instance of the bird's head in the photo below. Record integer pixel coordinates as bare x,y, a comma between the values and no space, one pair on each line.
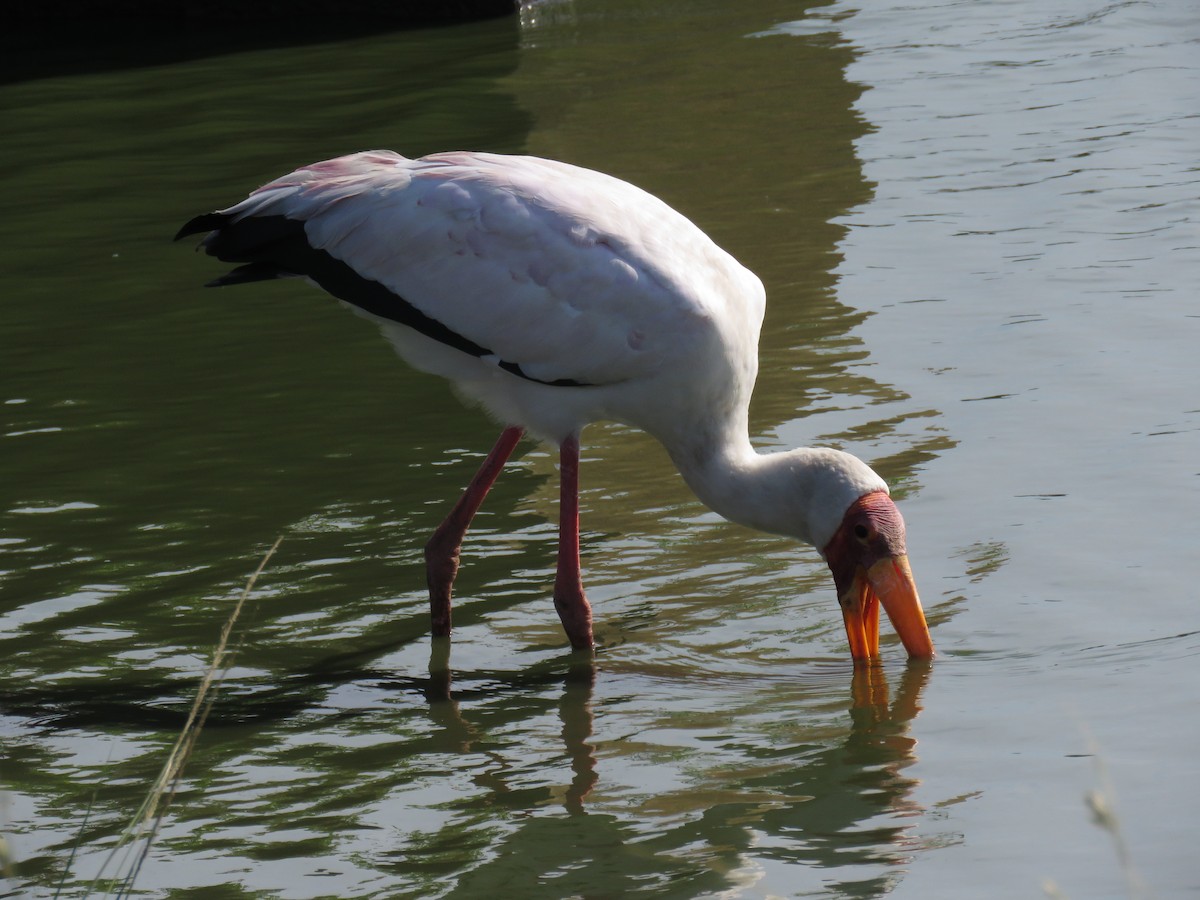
869,561
837,503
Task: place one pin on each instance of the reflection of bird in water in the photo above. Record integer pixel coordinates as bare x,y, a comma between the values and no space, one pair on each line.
557,296
838,806
852,808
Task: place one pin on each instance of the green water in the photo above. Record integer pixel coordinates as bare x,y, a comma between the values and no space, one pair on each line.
977,233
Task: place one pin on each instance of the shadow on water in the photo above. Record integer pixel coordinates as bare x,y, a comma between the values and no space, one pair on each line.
59,42
149,701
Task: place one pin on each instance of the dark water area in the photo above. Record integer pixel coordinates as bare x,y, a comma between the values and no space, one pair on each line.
977,229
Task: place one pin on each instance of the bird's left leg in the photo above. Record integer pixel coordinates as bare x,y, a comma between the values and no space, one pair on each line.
569,600
443,548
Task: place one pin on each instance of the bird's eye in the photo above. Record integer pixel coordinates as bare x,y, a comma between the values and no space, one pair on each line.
861,532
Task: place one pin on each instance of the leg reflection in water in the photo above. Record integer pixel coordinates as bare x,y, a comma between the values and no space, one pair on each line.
575,710
458,735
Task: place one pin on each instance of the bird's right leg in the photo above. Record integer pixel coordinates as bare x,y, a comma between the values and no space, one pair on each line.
573,608
443,548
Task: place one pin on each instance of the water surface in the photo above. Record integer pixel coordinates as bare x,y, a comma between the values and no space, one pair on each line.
977,227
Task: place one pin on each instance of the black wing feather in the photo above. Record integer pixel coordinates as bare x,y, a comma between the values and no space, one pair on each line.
278,247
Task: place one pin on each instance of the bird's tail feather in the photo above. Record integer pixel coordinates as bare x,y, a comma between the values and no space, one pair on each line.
203,223
263,245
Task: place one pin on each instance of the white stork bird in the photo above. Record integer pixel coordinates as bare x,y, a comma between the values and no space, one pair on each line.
556,296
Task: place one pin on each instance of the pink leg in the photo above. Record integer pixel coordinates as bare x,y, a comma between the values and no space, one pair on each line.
442,550
572,605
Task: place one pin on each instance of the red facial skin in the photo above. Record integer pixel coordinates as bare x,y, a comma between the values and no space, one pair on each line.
869,562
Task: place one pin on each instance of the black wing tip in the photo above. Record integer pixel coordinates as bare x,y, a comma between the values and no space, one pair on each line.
202,224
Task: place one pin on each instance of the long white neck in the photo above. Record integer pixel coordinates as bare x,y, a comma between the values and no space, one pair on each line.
801,493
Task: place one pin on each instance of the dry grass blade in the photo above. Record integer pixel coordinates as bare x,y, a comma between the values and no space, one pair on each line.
1102,804
146,823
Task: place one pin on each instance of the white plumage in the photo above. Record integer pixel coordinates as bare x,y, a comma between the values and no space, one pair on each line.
556,296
